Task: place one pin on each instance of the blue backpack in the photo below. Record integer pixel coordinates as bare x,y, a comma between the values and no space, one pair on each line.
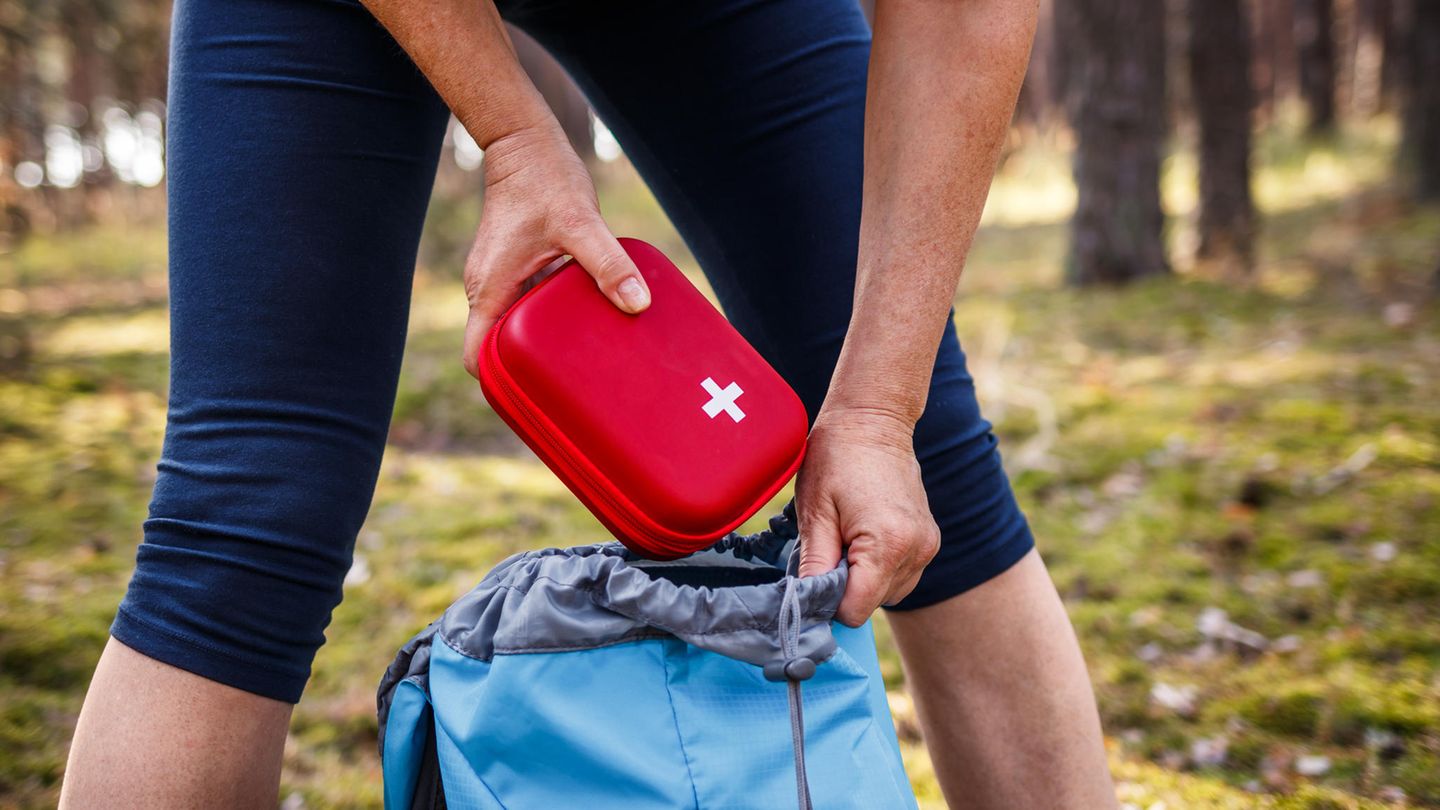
591,677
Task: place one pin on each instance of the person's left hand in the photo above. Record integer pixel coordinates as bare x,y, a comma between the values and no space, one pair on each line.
859,494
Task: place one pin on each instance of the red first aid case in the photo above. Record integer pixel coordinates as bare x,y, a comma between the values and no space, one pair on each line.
668,425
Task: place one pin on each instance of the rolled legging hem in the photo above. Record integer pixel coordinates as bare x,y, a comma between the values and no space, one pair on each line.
202,659
947,578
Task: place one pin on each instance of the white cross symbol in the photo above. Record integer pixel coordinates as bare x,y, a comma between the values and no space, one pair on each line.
722,399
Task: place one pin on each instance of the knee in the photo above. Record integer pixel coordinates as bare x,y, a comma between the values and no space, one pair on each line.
249,538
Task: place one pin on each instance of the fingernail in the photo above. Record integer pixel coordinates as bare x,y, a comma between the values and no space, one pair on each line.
633,294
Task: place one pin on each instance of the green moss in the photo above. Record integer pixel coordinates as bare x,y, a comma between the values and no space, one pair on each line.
1314,798
1294,711
1246,752
1201,437
1418,774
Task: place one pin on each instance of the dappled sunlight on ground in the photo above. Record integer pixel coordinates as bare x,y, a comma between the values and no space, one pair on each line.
97,335
1236,486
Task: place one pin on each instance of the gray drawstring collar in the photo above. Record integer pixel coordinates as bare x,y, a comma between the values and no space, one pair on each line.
792,668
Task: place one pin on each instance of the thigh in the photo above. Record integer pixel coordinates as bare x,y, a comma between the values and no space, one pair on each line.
747,121
301,150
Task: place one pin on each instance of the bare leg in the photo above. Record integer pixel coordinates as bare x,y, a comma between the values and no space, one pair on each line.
301,149
154,736
1003,696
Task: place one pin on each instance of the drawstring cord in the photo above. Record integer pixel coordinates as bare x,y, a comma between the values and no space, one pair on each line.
793,669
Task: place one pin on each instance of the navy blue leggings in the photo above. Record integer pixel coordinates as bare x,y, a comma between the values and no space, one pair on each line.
302,148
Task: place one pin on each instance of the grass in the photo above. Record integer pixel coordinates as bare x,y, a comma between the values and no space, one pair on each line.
1196,457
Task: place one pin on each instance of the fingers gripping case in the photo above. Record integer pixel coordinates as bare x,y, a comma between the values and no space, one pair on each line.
667,425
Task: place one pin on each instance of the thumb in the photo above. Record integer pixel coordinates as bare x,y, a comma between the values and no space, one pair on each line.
820,541
597,250
863,592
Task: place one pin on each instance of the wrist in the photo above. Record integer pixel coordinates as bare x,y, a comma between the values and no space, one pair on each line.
874,425
522,146
886,393
885,364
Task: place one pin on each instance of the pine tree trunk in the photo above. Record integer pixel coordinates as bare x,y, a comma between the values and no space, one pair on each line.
80,26
1394,72
1224,99
1372,21
1421,144
1115,89
1036,105
1315,44
1275,61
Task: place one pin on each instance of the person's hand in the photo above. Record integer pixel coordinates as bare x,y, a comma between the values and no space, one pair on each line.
859,494
539,205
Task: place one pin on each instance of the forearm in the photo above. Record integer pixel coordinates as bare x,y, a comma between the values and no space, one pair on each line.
540,202
943,81
463,49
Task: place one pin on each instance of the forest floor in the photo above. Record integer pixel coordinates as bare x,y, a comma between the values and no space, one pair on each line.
1236,487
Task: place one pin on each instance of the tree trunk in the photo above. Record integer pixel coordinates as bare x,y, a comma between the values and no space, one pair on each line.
1115,86
1224,98
1315,44
1395,67
1036,105
1421,142
22,120
1372,22
80,26
1276,62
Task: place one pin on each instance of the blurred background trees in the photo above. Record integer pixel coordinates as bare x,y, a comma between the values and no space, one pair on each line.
81,109
1315,49
1219,59
1421,57
1201,313
1115,97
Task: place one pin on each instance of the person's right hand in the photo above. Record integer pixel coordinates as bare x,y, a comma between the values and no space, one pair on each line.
539,205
